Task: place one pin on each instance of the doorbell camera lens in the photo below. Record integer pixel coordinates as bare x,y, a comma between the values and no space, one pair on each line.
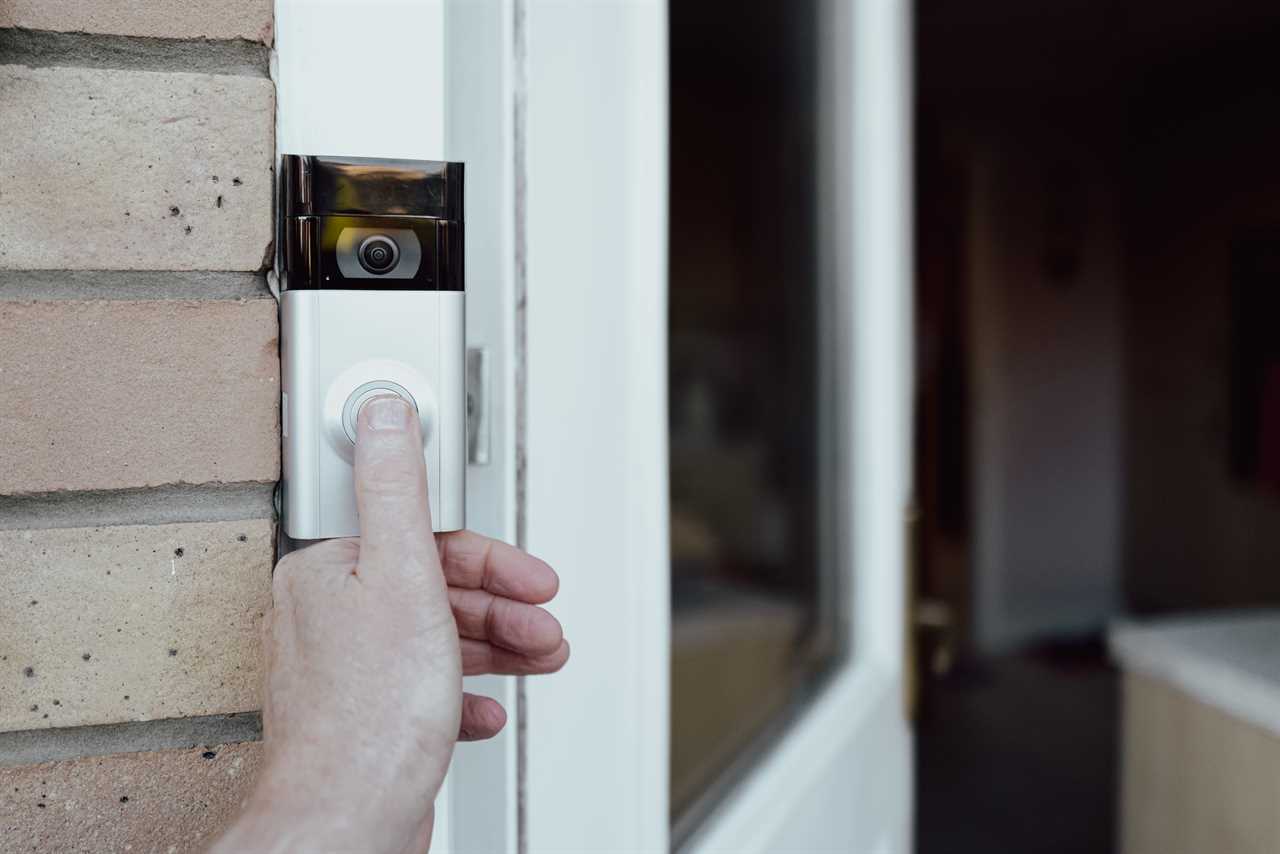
378,254
363,252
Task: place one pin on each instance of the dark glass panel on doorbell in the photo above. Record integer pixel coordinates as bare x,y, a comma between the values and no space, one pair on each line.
357,223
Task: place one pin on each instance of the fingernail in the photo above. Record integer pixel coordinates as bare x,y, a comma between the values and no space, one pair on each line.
388,413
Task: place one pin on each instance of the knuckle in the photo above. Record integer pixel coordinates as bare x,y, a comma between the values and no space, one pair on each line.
392,484
342,551
286,568
295,566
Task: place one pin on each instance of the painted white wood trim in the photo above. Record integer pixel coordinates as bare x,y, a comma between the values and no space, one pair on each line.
881,320
852,747
597,500
361,77
478,91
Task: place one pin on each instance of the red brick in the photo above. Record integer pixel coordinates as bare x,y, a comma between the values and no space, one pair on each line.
167,801
182,19
134,170
127,623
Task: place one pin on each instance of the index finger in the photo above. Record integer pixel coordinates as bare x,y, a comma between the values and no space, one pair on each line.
391,481
478,562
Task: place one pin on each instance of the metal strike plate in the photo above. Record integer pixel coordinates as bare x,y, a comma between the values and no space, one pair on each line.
478,406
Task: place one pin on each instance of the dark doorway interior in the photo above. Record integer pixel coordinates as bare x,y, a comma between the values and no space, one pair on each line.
1098,409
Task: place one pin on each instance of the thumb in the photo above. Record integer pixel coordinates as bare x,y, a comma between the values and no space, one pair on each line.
391,485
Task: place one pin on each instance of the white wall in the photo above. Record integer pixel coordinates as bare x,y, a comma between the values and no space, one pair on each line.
1045,377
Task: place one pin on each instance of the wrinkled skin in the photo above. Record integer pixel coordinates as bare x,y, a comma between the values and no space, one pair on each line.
367,643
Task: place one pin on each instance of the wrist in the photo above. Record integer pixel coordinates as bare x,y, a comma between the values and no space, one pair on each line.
263,829
289,811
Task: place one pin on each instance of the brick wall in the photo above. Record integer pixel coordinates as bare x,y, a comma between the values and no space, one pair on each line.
138,417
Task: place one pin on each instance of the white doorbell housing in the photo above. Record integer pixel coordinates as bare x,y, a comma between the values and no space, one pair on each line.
372,302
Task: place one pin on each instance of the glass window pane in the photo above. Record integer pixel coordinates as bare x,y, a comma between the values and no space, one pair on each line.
752,615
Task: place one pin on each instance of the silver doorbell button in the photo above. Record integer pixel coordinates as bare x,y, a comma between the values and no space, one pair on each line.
353,387
371,303
366,393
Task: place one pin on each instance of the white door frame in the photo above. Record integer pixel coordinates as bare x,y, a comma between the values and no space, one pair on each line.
596,440
840,777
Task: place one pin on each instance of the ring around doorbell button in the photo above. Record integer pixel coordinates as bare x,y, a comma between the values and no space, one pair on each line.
362,382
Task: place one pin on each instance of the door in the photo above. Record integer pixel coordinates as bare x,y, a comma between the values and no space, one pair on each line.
729,529
644,427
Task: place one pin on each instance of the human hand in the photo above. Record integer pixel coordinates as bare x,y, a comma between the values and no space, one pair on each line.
366,645
494,589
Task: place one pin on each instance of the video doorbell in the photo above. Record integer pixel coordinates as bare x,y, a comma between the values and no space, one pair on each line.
372,302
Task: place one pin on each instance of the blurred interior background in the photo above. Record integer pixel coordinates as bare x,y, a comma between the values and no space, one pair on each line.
1098,409
1097,404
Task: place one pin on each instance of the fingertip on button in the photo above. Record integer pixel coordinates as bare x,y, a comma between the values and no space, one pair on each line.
386,412
369,392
